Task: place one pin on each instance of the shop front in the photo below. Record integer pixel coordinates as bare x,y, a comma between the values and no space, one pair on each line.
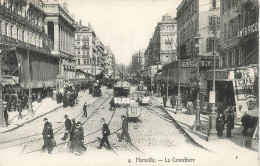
236,88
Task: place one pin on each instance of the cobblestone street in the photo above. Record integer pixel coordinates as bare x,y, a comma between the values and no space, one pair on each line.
153,136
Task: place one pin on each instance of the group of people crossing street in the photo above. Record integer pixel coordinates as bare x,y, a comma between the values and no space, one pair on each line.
75,132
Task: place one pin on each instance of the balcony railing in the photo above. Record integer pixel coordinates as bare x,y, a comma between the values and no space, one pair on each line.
9,13
47,44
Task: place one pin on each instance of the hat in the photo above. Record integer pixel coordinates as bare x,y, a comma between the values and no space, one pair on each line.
45,119
123,116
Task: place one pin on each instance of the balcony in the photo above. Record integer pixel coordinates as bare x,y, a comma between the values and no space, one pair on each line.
47,44
7,12
85,46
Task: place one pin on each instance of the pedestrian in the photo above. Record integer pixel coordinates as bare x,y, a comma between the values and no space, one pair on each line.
67,127
6,116
105,133
164,100
220,122
19,105
78,140
124,130
48,136
72,129
230,123
112,104
65,100
173,101
245,119
190,107
85,110
9,104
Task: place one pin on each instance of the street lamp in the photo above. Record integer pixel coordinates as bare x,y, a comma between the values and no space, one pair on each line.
197,122
178,108
2,120
212,132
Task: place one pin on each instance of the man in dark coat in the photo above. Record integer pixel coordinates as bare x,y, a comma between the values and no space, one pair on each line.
220,122
105,133
67,127
65,100
6,116
72,129
20,116
173,101
124,130
85,110
164,100
230,123
47,134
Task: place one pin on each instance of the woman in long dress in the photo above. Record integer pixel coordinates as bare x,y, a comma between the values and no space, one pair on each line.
78,140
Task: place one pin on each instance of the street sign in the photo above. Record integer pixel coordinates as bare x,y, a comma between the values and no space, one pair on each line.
212,97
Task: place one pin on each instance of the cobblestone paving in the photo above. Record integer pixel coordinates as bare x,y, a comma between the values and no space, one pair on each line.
150,137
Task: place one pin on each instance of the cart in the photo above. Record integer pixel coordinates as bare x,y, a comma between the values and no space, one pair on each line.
134,112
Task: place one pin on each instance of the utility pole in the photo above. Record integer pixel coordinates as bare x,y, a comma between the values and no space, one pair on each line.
212,132
2,120
114,69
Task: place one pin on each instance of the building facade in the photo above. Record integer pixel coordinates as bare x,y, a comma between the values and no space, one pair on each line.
195,18
161,49
109,62
25,46
90,52
237,73
59,25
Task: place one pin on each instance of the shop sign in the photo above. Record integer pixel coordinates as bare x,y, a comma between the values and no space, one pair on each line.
244,91
219,75
248,30
194,64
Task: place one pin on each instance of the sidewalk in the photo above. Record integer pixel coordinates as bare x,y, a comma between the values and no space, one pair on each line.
234,145
40,109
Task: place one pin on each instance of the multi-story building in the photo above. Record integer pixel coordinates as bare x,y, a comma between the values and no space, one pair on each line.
26,48
161,49
162,45
109,62
195,18
90,52
59,25
236,76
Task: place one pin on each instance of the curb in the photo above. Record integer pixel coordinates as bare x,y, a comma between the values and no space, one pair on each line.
30,120
186,134
183,130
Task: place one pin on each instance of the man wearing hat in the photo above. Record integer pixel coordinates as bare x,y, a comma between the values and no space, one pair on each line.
124,130
105,133
67,127
47,134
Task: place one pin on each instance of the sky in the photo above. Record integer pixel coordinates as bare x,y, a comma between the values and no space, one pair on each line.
125,25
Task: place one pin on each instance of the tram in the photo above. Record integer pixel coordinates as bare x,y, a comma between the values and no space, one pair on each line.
121,94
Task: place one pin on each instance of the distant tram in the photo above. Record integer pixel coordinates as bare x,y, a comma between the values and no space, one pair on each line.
121,94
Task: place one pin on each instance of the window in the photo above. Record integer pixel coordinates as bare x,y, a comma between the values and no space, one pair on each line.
214,22
210,44
87,61
78,61
214,4
78,51
84,61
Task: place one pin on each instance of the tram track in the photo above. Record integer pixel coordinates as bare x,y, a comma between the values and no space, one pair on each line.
83,123
59,128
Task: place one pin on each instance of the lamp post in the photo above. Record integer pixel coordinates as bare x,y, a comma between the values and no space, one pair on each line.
30,109
197,122
212,132
2,120
178,108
